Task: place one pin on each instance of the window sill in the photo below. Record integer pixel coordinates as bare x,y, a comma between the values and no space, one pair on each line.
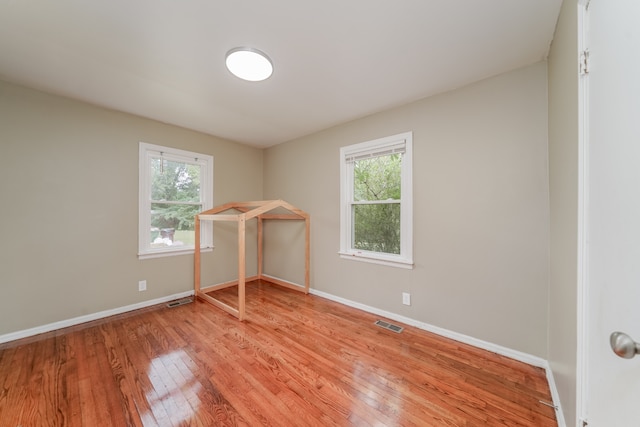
377,259
174,252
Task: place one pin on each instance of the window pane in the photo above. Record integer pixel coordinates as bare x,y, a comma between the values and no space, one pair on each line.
174,181
173,225
377,178
376,227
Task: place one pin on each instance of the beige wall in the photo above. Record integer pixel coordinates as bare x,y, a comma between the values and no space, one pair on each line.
563,183
69,228
69,174
481,212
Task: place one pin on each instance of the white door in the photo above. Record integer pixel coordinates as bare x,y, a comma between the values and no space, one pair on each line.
613,210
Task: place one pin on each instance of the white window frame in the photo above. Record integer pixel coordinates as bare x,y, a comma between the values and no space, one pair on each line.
148,151
403,141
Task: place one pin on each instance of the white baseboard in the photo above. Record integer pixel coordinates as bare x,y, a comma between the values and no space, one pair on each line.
555,396
88,318
504,351
485,345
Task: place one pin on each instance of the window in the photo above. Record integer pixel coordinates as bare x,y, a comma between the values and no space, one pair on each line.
174,186
376,201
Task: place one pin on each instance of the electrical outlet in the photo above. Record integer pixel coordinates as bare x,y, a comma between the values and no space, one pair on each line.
142,285
406,298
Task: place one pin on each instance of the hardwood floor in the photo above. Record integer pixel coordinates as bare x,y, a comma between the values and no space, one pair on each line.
299,360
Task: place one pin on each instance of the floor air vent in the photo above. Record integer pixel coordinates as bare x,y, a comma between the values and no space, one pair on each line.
389,326
178,302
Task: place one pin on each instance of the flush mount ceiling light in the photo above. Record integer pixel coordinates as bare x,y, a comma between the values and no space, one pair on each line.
249,64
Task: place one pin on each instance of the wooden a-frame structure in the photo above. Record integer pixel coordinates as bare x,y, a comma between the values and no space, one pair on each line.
261,210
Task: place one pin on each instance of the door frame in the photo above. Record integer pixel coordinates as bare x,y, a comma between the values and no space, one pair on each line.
583,285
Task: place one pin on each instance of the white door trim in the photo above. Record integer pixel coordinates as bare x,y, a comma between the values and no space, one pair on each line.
582,359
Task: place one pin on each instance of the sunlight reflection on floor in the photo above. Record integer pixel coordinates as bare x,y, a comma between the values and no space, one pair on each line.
388,400
174,397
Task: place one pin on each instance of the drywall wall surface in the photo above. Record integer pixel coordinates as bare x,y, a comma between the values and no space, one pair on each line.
69,222
563,189
481,212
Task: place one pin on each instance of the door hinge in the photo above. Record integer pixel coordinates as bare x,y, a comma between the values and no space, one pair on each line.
584,62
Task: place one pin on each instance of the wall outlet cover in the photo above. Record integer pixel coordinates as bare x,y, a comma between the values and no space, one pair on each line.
406,298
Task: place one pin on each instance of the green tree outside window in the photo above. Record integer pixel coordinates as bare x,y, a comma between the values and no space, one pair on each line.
175,194
376,204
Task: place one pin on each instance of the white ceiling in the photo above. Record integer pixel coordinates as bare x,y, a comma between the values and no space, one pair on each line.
334,60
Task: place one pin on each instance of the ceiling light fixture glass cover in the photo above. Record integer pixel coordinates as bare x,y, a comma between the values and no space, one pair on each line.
249,64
